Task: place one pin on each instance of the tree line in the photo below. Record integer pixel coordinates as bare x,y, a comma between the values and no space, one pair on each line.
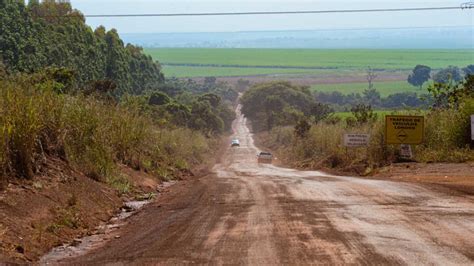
52,34
372,97
275,104
81,95
421,74
50,41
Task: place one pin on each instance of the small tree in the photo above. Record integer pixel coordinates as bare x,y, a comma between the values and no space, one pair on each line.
242,85
302,128
419,76
210,81
159,98
213,99
449,95
449,74
372,96
320,111
273,107
371,76
469,70
363,113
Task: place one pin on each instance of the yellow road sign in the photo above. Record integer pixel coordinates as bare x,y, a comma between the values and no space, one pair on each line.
401,129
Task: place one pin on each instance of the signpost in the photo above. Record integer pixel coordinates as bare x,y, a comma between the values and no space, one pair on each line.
356,140
401,129
472,127
405,152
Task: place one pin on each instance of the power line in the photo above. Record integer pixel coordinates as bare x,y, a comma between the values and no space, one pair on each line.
375,29
323,29
281,12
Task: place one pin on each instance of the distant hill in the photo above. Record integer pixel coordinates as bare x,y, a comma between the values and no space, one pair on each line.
416,38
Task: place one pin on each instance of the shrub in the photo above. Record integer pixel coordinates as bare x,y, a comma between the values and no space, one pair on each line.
447,137
364,113
28,125
91,134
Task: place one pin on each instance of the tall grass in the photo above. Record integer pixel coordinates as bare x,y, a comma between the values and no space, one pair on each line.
447,135
91,135
29,124
446,140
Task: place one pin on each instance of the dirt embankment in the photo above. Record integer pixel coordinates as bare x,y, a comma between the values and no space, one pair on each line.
56,207
61,204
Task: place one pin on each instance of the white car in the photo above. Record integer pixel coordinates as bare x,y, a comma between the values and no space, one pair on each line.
235,143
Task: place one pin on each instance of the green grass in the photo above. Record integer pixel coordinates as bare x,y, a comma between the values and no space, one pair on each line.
385,88
189,71
317,58
380,114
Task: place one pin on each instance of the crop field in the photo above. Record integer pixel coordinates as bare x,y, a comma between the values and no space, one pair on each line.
192,71
385,88
199,62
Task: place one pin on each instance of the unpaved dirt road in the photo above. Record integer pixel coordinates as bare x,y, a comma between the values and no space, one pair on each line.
245,213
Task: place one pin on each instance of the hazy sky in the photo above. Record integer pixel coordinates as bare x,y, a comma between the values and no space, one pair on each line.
273,22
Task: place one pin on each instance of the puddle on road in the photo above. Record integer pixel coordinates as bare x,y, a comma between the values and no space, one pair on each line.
101,235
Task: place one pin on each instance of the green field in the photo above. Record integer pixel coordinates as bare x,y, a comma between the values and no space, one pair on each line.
186,71
207,62
380,114
385,88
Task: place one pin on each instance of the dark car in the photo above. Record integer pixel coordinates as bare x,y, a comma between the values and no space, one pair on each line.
264,157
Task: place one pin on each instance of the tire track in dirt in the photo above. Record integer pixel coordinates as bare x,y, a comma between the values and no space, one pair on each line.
249,213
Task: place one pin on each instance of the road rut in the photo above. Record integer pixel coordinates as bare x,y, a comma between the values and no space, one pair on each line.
260,214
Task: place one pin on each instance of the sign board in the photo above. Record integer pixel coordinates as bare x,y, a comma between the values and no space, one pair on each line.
405,152
402,129
472,127
356,140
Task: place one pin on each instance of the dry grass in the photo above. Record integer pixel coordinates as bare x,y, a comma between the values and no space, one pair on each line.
93,136
446,138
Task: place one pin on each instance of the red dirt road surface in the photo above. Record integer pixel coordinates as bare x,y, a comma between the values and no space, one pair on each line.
259,214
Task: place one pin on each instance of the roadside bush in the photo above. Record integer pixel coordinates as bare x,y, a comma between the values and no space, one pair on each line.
447,135
27,127
85,141
92,135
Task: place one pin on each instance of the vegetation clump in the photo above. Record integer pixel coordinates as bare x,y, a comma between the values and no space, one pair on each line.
315,143
52,34
82,95
93,135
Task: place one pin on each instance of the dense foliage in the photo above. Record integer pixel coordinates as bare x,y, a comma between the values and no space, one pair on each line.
447,136
52,34
93,133
83,96
419,75
276,103
394,101
449,74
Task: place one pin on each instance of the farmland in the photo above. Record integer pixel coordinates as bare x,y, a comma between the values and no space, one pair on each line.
385,88
193,71
199,62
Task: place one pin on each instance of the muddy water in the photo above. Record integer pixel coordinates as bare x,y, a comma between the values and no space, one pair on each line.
258,214
102,234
